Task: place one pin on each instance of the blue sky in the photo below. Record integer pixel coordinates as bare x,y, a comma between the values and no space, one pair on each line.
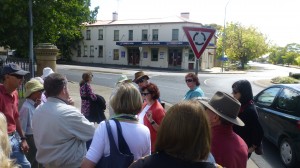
277,19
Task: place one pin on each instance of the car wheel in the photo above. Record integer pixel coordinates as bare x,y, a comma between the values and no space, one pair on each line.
287,153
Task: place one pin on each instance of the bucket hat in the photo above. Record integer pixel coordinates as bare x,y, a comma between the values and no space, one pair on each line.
139,75
123,78
32,86
225,106
46,72
12,68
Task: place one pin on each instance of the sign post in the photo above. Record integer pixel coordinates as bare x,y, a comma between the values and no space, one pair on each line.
198,38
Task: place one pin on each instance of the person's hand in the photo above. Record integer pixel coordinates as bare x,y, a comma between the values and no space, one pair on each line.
149,116
251,149
70,101
24,146
37,102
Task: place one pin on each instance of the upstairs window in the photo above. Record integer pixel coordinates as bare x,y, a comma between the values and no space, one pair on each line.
100,34
155,35
88,34
130,35
175,34
144,35
116,35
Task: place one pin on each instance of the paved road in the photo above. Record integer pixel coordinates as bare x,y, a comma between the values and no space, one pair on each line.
173,88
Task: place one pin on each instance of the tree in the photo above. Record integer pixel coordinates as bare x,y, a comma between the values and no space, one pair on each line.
58,22
242,43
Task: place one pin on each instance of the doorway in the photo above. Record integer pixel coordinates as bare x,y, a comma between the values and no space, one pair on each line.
133,56
175,57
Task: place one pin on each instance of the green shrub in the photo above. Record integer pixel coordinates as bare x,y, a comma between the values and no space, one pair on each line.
284,80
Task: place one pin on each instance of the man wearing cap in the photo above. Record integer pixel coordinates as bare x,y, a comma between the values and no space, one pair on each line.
60,131
227,147
141,79
13,76
33,93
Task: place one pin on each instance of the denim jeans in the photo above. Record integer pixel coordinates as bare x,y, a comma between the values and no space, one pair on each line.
16,153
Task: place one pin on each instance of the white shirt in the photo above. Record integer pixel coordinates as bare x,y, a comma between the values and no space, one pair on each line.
136,135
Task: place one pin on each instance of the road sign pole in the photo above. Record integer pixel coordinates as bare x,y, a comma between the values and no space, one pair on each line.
197,66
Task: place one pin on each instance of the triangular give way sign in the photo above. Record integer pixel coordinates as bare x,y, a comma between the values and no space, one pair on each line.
198,38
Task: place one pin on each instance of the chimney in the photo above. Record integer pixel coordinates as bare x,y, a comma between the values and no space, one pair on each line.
185,15
115,16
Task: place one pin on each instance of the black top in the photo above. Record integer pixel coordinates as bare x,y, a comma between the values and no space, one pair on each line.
252,133
162,160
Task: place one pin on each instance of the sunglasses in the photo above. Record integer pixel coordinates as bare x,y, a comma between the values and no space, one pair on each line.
17,76
144,94
139,81
189,80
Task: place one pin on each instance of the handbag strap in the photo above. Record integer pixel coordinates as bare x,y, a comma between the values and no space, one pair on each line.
123,146
112,144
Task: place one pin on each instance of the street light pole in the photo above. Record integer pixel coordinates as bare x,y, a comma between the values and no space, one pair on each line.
224,36
31,64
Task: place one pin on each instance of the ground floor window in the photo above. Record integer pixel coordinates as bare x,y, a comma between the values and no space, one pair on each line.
154,54
191,55
100,54
79,51
116,54
92,51
85,51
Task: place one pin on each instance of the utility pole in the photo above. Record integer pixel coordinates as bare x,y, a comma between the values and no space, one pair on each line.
31,61
224,36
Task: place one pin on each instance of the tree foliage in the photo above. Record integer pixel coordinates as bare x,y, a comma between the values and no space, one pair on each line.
54,21
242,43
290,54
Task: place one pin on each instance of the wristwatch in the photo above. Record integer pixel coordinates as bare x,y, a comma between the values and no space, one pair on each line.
23,138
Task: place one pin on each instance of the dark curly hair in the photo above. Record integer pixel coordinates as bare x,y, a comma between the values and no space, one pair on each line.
153,89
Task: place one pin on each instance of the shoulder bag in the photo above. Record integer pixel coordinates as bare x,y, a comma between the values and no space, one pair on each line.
118,158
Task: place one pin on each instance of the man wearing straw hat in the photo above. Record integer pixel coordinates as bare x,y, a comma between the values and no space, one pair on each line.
33,94
228,149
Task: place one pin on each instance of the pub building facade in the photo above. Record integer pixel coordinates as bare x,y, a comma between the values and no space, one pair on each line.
159,43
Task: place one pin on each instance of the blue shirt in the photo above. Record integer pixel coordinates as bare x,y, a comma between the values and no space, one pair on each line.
196,92
26,113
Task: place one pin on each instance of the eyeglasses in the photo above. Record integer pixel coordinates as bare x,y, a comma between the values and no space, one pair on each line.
140,81
144,94
189,80
17,76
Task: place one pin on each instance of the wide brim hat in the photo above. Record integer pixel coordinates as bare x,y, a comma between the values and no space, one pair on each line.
123,78
225,106
32,86
46,72
139,75
12,68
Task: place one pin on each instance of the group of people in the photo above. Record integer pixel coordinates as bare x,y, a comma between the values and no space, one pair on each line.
219,132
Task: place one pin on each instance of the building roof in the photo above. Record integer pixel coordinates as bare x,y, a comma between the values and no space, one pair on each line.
171,19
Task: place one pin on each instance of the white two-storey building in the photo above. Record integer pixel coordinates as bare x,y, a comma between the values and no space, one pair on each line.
157,43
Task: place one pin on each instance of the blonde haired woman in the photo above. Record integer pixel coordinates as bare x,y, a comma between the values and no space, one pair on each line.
126,103
5,149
